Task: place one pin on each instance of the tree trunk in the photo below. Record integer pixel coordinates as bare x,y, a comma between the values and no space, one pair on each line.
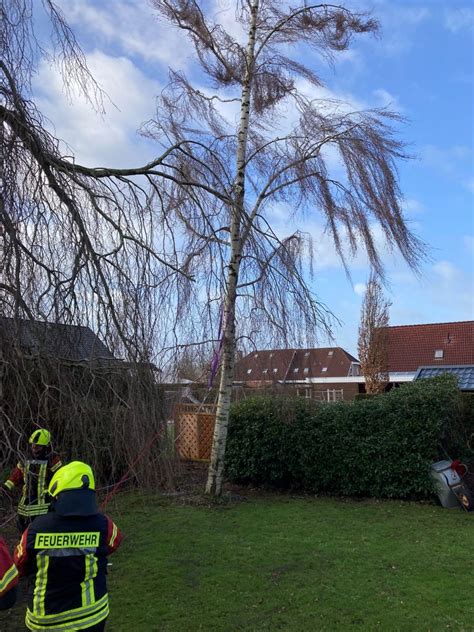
216,466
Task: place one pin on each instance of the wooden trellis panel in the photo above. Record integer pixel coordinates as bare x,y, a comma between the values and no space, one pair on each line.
194,429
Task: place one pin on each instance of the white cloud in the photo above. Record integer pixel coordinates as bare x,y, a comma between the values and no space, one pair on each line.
97,140
133,27
384,99
459,19
331,101
399,25
359,288
445,271
445,159
412,207
444,294
224,14
350,56
411,15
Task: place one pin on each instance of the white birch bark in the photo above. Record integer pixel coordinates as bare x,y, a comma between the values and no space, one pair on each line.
216,467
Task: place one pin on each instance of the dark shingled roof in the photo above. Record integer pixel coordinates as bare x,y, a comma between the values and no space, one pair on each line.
464,374
293,364
68,342
412,346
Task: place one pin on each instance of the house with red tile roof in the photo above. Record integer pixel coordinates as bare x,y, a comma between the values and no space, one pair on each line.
327,374
332,374
434,346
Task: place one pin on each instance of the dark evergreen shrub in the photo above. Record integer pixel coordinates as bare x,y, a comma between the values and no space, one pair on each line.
262,448
380,446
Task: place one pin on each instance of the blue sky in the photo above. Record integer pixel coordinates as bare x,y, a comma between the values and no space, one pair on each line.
421,65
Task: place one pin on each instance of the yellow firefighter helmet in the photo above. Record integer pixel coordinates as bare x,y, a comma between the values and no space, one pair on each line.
40,437
75,475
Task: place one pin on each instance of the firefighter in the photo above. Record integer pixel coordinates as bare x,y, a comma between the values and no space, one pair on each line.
33,477
8,577
67,550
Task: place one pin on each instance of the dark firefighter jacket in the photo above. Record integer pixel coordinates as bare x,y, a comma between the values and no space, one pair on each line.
8,576
33,477
69,556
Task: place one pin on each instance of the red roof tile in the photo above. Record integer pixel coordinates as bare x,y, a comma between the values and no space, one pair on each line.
412,346
293,364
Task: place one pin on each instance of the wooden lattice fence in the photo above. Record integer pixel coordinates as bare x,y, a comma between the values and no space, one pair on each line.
194,429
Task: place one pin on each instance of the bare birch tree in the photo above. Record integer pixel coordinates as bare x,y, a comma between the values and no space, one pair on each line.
278,151
372,343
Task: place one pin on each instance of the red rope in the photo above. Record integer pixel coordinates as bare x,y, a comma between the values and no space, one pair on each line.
115,488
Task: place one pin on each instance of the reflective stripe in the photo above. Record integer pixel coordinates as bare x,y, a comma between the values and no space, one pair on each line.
81,624
114,535
24,471
56,466
68,552
42,562
77,617
19,548
39,507
32,510
10,485
87,586
42,483
75,613
9,576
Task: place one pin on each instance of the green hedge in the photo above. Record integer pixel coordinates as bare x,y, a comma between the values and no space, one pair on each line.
381,446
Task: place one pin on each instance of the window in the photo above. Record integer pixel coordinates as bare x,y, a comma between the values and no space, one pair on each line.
265,371
439,353
330,395
324,369
306,370
256,356
271,355
296,369
304,392
306,354
275,370
330,353
249,371
354,369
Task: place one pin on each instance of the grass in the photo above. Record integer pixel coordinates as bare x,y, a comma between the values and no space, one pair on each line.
295,564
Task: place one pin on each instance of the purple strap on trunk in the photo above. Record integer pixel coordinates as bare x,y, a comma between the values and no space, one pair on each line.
217,353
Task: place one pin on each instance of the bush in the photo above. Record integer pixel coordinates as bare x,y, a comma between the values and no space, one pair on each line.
380,446
467,420
262,439
464,437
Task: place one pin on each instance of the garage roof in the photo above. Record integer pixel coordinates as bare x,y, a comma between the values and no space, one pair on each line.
465,374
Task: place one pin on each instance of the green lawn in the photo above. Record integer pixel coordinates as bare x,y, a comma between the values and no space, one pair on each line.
296,564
